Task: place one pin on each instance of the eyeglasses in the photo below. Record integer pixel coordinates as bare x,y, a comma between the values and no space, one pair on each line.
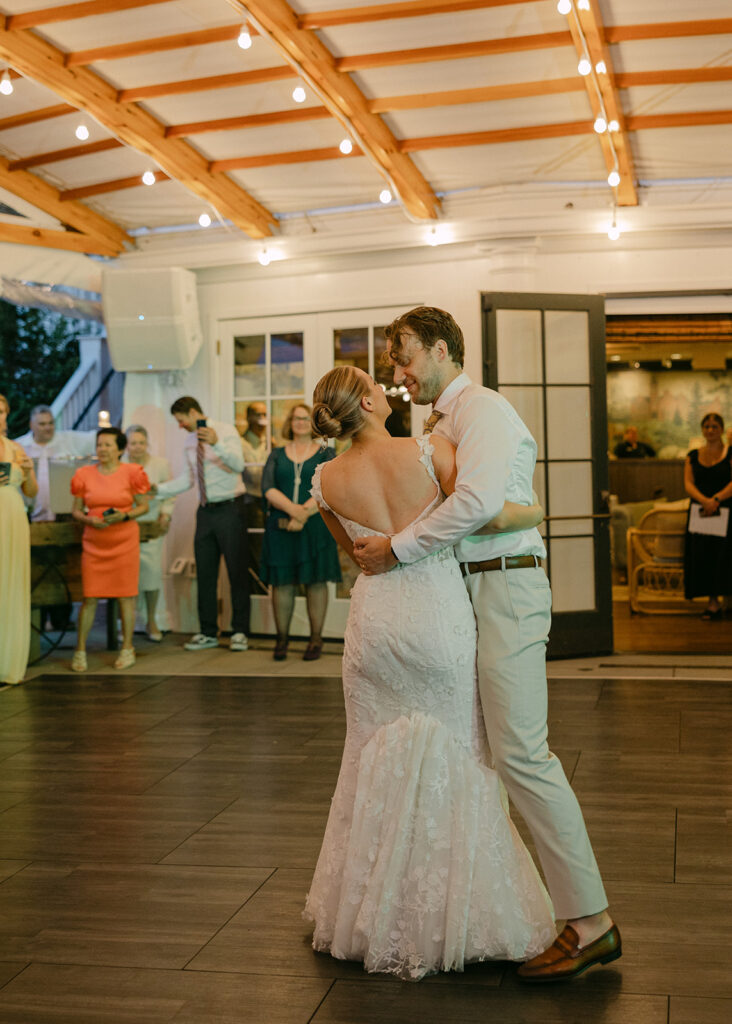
300,419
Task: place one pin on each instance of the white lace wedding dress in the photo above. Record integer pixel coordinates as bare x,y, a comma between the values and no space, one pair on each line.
421,868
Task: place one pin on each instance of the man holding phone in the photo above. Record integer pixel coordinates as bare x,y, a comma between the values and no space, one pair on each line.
214,464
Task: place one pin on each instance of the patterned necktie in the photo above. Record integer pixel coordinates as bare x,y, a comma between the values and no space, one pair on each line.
430,423
199,473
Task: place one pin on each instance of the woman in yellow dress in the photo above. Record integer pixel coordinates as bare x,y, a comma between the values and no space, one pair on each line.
16,475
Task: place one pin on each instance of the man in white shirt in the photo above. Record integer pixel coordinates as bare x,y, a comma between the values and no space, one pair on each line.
44,442
214,464
495,457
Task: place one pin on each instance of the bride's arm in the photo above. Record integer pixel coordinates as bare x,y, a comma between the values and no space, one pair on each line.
510,519
338,533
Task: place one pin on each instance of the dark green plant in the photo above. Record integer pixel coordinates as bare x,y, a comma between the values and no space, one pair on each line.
39,351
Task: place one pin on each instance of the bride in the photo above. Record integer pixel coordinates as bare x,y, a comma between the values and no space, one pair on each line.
421,869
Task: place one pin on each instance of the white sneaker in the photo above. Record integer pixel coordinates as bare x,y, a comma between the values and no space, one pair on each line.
239,642
199,642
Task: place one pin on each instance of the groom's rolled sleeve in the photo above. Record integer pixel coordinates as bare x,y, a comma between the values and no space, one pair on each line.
486,443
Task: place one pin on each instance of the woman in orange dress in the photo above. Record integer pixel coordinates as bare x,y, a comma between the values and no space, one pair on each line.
107,500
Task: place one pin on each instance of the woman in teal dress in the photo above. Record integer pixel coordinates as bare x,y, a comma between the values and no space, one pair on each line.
298,548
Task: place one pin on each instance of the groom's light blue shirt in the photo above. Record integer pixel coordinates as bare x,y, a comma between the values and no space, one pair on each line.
496,458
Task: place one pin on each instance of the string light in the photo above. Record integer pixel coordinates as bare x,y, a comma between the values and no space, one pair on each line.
613,179
148,178
346,146
264,258
433,239
613,232
583,5
204,220
601,67
585,66
82,132
6,86
385,196
564,6
600,125
613,126
244,40
298,94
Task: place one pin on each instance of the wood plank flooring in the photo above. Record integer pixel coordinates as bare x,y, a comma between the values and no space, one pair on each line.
158,835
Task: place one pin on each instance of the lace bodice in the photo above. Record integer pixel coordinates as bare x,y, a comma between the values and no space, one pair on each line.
426,450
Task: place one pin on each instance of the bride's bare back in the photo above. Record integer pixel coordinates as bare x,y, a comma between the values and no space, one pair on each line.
383,485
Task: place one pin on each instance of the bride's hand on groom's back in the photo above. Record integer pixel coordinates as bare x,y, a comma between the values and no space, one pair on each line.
373,555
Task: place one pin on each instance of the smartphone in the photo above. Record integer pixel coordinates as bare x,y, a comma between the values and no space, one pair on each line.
109,511
5,467
200,423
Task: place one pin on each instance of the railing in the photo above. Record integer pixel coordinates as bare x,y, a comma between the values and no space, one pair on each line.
94,385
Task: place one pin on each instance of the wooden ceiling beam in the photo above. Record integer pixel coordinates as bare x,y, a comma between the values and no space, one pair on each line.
189,85
347,103
386,12
669,30
453,51
70,153
103,187
699,119
44,196
297,156
39,60
228,124
70,12
48,238
676,76
161,44
588,33
33,116
482,94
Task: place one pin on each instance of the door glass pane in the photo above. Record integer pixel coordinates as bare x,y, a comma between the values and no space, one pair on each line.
567,346
529,404
568,422
518,334
287,363
572,565
351,347
570,494
250,365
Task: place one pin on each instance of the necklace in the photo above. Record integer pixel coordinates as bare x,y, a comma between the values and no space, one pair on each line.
298,470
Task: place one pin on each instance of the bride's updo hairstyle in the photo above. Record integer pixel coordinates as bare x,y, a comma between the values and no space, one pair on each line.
337,398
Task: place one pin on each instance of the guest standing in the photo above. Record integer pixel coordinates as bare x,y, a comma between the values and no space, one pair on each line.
708,482
214,463
157,470
108,497
16,476
631,448
298,549
255,449
43,442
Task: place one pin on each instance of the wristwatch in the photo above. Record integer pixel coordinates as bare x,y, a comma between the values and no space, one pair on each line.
126,518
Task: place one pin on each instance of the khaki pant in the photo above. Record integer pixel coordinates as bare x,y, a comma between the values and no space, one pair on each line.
513,611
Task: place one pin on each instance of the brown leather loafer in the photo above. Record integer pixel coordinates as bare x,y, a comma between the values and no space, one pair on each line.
313,650
565,959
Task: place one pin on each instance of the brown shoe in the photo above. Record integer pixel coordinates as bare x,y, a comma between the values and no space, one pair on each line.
280,651
313,650
565,959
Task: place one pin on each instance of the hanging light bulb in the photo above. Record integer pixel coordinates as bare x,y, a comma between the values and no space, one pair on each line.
6,86
148,178
244,40
298,94
613,232
600,124
584,67
385,196
564,6
82,132
613,179
601,67
346,146
264,258
433,239
613,126
204,220
583,5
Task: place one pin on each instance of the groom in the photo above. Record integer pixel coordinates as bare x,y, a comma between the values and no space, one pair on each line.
496,456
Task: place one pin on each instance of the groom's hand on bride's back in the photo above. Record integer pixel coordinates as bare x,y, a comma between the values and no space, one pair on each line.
374,555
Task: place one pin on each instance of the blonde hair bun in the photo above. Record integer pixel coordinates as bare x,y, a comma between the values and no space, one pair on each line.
324,422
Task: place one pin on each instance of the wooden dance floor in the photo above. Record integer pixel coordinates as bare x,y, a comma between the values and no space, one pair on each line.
158,834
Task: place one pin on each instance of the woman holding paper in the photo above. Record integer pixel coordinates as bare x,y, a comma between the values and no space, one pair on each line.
708,547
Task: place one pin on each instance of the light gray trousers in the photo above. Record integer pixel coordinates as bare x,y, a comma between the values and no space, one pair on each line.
513,611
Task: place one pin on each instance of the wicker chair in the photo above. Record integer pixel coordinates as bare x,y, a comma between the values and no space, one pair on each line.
656,562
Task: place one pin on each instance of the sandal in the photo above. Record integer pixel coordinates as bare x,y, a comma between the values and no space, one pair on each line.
125,658
313,650
78,662
280,651
711,616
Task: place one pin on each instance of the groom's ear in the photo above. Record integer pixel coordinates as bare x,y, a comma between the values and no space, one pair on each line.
440,349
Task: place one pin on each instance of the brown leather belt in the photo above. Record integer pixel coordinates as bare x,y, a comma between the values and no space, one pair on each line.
507,562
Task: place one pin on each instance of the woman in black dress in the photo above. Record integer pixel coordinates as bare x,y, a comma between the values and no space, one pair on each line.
708,482
298,548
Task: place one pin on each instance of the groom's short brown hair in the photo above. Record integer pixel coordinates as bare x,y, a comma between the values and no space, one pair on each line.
430,324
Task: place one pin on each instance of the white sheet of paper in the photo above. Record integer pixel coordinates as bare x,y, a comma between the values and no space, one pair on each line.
713,526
